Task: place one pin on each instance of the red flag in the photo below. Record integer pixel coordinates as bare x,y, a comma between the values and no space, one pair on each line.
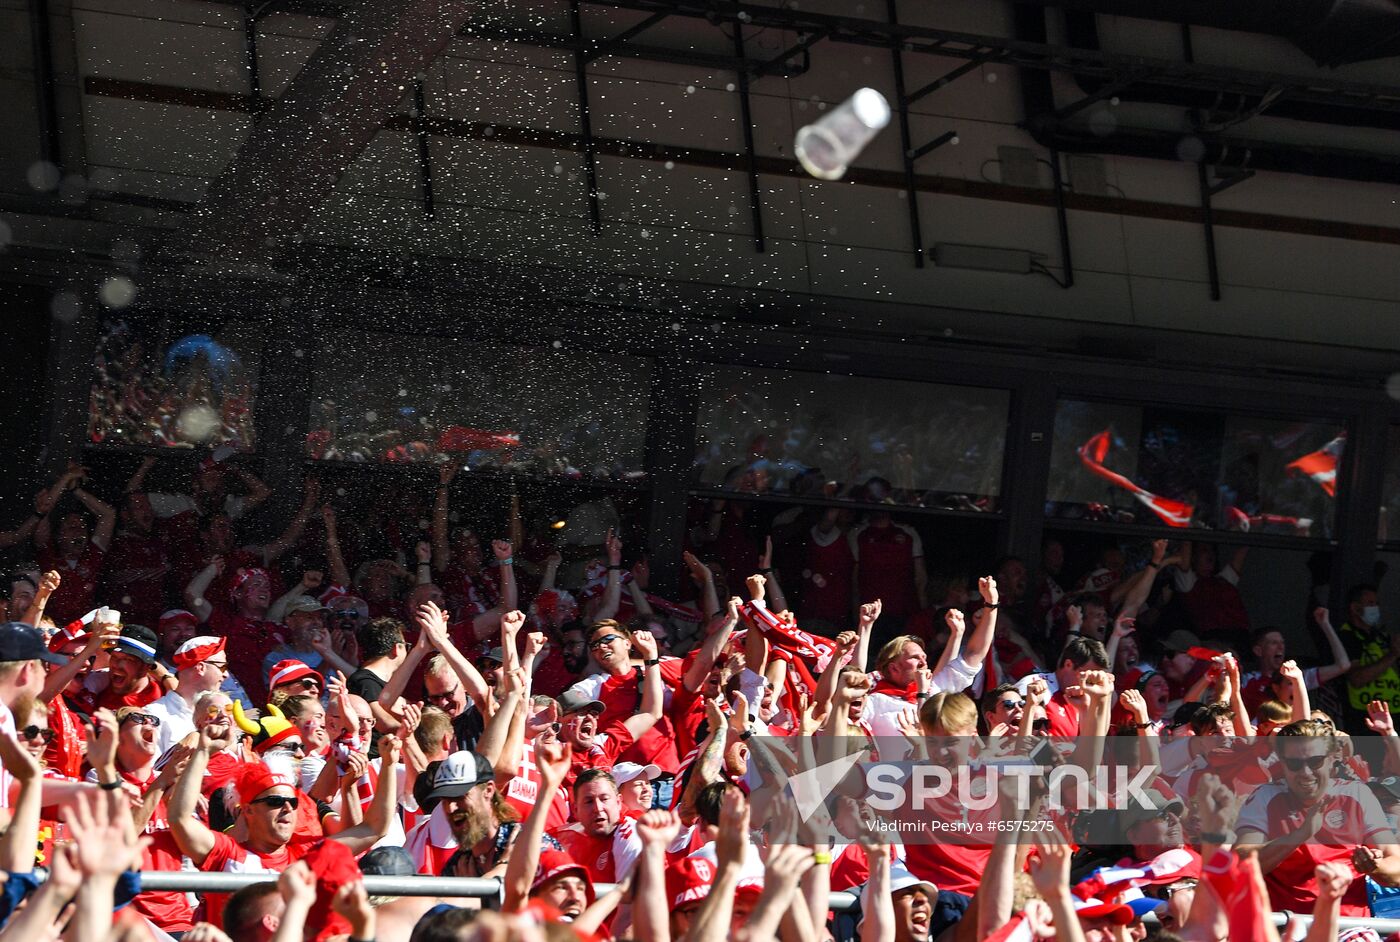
1321,465
460,438
1240,886
1172,512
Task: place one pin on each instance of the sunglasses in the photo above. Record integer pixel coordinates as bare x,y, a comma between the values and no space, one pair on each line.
35,732
603,641
1013,704
1040,726
142,719
278,801
1315,763
218,665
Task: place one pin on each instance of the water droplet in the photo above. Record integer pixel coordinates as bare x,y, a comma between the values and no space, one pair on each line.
1392,386
557,344
690,89
117,292
5,233
402,393
340,492
991,78
729,87
371,416
197,424
669,165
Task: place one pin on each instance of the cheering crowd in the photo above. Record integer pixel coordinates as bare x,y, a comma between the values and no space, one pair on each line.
627,765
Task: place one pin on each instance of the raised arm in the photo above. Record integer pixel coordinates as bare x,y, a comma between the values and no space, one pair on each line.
612,592
433,623
984,625
711,648
1302,708
193,837
197,591
651,918
877,899
777,601
846,644
710,761
106,516
340,573
649,713
362,837
712,920
61,677
504,552
1380,722
704,581
957,625
1341,662
21,836
552,761
311,496
48,584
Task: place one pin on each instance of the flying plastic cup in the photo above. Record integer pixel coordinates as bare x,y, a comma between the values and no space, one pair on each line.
826,147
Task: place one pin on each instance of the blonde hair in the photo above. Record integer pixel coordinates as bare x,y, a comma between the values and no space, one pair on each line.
893,648
948,710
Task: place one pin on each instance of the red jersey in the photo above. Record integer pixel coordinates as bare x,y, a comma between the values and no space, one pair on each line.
1215,605
249,640
64,753
75,595
107,699
885,566
953,860
827,573
1063,716
228,856
622,698
135,577
523,791
607,859
1351,817
168,909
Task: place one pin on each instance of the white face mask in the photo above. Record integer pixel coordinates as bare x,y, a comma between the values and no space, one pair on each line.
1371,615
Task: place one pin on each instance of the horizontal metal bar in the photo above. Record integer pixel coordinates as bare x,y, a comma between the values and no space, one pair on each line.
465,887
189,880
602,47
776,63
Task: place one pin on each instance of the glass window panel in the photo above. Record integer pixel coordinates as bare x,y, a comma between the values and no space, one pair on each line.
1390,495
156,384
818,572
774,431
536,411
1183,468
1276,588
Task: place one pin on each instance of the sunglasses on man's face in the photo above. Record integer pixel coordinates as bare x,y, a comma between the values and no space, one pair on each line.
1012,704
37,732
603,641
278,802
1296,763
142,719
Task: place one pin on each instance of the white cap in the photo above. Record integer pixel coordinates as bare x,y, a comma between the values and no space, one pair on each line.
625,772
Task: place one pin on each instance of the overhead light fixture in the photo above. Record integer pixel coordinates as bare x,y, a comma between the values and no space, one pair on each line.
558,524
983,258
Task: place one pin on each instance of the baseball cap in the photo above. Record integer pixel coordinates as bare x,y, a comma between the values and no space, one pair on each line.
1186,713
571,701
290,671
1180,641
1172,865
494,654
21,642
557,863
1157,804
1386,789
1120,913
902,879
388,862
138,641
689,880
303,603
624,772
459,774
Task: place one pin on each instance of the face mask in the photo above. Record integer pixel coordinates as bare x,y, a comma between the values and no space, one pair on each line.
1371,615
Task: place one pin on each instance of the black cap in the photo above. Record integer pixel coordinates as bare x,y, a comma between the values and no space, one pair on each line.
572,701
459,774
138,641
1186,713
21,642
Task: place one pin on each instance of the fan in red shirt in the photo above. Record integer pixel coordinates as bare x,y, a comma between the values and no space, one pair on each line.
603,840
129,680
630,693
828,567
1311,818
890,567
124,750
268,807
138,564
70,551
250,635
1079,655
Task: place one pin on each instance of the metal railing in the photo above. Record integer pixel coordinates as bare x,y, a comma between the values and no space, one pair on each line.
490,889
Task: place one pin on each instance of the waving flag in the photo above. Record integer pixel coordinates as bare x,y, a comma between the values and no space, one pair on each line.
1172,512
1321,465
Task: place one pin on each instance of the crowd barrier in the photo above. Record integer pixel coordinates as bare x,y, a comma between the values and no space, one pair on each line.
484,889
